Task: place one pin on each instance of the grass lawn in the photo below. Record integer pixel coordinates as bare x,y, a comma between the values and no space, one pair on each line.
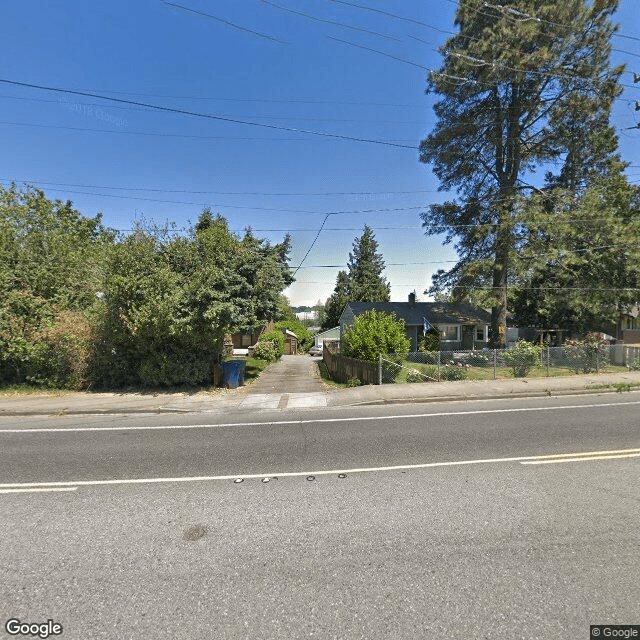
486,373
253,368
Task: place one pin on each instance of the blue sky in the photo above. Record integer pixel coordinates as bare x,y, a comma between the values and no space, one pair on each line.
254,62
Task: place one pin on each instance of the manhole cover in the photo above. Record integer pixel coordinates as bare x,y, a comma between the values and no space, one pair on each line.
195,533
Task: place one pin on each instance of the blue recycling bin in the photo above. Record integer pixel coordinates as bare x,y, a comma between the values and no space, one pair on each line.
232,373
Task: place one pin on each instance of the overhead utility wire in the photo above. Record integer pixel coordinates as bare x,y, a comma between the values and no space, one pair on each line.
388,55
325,21
209,116
223,21
391,15
223,193
429,26
459,79
293,117
304,211
313,243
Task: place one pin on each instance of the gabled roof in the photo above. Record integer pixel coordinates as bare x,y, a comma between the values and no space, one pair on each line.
434,312
327,331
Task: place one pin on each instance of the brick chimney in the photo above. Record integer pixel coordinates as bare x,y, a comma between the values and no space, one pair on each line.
412,299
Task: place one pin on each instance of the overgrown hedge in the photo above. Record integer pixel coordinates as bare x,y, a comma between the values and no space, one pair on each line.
84,307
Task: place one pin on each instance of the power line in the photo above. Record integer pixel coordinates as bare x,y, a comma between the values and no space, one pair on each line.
313,243
395,210
225,193
226,22
289,101
210,116
388,55
158,134
391,15
342,25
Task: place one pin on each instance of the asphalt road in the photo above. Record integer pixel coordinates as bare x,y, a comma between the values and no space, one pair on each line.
466,520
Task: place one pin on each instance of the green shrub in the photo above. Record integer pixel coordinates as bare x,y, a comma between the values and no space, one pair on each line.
430,341
265,350
588,354
353,382
522,357
162,370
277,338
373,333
453,372
635,365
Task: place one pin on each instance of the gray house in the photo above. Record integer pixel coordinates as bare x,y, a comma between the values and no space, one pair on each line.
461,326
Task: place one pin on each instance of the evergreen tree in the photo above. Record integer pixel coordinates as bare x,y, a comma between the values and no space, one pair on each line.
524,84
366,283
335,304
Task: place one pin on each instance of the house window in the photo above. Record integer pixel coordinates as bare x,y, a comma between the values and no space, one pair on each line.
245,340
480,334
450,333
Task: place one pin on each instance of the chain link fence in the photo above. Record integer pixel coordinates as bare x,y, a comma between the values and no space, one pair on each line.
494,364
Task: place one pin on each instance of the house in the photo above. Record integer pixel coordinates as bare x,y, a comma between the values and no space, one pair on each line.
628,322
461,326
329,334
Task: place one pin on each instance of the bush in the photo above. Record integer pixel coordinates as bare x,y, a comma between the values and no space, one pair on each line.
588,354
265,350
477,359
635,365
449,372
374,333
430,341
277,338
353,382
522,357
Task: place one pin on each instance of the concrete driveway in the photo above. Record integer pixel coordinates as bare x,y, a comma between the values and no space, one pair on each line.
292,382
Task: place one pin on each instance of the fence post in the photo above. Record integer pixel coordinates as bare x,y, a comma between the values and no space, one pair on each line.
495,362
598,359
438,365
548,358
379,368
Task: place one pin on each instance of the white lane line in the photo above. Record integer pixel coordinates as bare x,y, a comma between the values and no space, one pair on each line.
317,421
324,472
40,489
582,459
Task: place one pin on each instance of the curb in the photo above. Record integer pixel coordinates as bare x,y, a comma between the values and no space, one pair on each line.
524,394
372,402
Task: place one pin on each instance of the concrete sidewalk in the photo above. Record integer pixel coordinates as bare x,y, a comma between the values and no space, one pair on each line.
221,401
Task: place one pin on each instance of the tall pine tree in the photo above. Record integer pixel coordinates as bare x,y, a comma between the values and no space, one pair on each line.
363,282
523,84
366,282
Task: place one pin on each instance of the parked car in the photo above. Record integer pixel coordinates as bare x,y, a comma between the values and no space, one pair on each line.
315,351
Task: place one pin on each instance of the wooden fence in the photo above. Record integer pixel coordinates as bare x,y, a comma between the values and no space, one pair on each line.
343,369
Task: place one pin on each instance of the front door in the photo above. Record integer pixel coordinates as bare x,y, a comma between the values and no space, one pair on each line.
468,331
